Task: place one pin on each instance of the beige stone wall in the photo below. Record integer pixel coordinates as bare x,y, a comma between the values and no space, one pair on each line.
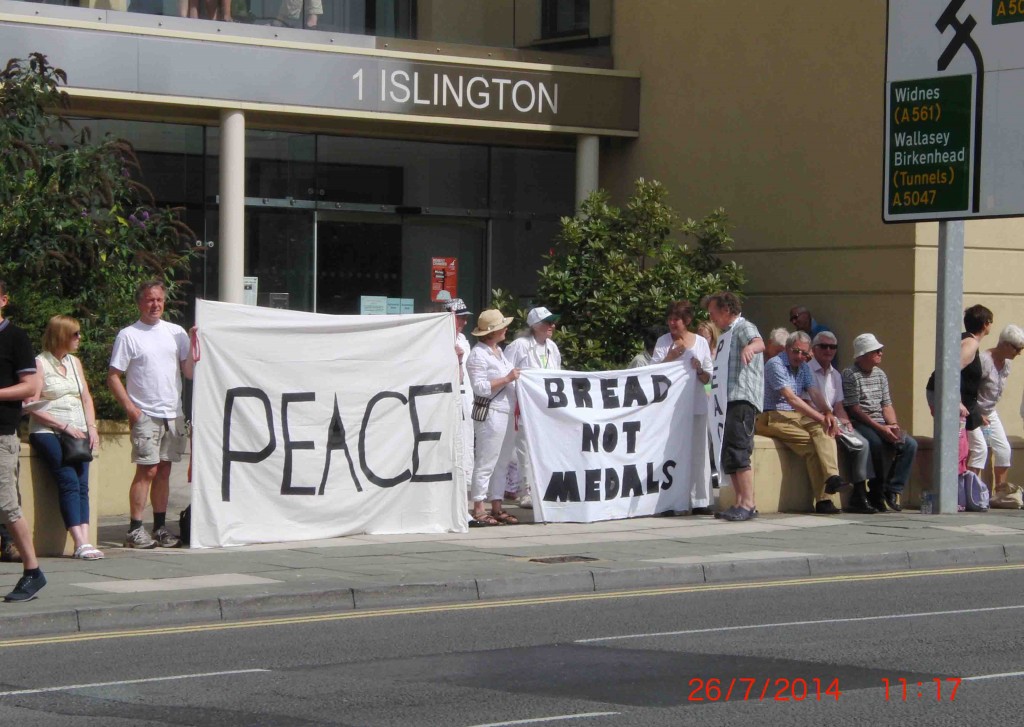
774,111
472,22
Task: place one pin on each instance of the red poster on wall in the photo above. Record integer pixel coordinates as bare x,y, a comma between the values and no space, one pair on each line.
444,275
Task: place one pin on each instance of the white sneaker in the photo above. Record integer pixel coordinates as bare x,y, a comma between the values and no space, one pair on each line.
139,538
526,502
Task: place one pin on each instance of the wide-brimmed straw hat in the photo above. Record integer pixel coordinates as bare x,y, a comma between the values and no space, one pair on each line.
490,321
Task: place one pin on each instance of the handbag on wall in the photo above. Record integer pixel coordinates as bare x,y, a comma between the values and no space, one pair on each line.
75,450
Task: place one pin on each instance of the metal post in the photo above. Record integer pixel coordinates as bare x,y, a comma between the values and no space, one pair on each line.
232,205
588,158
949,310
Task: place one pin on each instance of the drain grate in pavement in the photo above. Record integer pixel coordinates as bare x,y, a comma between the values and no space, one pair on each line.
563,559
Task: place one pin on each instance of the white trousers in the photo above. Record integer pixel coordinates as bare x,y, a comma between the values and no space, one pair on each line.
523,460
993,436
700,465
495,448
464,440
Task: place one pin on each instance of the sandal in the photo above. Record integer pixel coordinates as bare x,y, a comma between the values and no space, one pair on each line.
505,518
87,551
483,521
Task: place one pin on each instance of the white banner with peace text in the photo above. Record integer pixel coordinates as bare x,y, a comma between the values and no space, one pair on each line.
718,402
608,445
311,426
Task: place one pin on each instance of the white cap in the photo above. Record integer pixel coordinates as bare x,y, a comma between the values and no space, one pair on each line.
540,315
865,343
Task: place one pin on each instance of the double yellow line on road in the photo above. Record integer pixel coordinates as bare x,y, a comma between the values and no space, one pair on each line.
509,603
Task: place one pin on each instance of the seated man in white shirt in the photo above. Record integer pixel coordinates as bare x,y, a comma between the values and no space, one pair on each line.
535,350
856,455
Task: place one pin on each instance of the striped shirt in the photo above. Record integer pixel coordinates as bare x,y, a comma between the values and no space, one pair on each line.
868,391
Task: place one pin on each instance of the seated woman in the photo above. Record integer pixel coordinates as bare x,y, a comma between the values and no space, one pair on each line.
70,413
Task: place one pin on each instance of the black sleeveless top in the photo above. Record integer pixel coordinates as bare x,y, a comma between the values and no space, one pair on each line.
970,382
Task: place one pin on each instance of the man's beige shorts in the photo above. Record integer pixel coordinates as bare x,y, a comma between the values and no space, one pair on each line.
10,502
156,440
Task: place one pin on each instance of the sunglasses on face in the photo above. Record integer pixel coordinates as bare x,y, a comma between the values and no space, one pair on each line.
804,354
827,346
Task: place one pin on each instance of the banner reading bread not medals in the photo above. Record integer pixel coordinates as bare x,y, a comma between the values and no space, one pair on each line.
608,445
313,426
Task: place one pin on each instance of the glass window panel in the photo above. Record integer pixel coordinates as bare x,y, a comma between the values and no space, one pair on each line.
538,181
422,241
279,251
356,258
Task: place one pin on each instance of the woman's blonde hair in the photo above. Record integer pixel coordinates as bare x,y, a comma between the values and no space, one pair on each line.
708,330
58,333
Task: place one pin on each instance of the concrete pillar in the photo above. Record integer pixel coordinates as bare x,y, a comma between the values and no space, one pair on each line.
588,157
232,205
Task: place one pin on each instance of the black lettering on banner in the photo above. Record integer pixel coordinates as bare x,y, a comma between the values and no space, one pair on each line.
631,485
633,394
581,393
418,436
611,483
653,484
370,475
718,407
555,389
608,395
563,487
610,438
289,445
229,455
659,381
336,440
592,485
631,428
666,471
591,433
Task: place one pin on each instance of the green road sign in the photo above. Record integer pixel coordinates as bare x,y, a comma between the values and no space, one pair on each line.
1007,11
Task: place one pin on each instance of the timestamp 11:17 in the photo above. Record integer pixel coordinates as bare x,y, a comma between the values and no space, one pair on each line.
901,689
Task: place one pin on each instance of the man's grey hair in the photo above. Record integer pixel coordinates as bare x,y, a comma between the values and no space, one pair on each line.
825,336
1012,335
797,337
779,336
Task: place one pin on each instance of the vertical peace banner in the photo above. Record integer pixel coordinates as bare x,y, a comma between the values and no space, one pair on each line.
312,426
608,445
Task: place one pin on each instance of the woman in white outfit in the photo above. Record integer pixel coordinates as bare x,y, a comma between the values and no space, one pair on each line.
682,345
995,369
464,442
535,350
493,378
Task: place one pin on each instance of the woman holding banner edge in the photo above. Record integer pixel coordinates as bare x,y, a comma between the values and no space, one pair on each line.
681,344
492,377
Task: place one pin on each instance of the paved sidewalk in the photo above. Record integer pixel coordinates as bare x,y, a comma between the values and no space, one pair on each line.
132,588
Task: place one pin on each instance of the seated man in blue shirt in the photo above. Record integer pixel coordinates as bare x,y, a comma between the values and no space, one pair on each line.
807,431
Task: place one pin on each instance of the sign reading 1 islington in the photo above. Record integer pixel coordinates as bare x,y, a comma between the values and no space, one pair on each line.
954,130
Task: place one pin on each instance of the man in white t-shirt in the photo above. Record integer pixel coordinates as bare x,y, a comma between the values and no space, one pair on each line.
535,350
151,354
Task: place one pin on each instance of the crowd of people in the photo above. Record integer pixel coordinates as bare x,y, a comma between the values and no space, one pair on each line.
787,387
147,362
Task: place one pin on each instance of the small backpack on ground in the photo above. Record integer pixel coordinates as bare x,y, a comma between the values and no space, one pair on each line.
972,493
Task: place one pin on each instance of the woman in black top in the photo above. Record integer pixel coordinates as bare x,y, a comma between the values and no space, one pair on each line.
977,322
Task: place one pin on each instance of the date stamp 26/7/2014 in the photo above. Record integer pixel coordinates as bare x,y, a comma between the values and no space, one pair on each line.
745,689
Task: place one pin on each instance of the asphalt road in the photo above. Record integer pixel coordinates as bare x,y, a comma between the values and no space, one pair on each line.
786,653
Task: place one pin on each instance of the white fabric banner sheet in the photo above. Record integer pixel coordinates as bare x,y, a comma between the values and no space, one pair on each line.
608,445
718,401
312,426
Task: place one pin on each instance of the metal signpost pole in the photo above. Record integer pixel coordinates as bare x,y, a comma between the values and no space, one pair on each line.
949,305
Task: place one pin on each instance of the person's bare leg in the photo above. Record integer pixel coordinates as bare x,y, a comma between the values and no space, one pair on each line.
22,537
743,481
79,534
161,490
1001,475
138,493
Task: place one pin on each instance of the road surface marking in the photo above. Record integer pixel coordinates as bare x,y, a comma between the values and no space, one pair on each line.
70,687
487,605
1004,675
538,720
719,629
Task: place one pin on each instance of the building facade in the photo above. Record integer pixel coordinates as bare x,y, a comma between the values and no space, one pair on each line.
334,149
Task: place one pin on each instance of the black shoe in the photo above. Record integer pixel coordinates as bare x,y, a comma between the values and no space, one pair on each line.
892,501
860,507
834,484
26,589
702,511
826,507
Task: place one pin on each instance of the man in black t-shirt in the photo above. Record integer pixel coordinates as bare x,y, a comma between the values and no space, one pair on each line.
18,381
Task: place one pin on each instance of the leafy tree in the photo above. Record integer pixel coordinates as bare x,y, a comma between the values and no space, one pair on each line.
614,272
78,232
